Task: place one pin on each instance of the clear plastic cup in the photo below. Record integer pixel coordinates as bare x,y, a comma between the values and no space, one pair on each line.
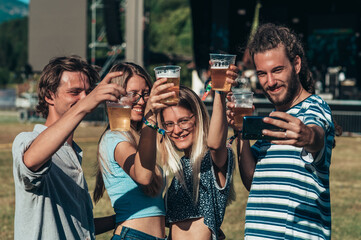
243,106
119,113
172,73
219,66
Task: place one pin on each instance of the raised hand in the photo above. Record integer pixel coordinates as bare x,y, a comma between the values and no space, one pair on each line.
157,94
104,91
296,132
232,74
230,113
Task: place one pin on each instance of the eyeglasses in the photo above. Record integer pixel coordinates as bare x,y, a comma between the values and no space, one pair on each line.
184,124
136,96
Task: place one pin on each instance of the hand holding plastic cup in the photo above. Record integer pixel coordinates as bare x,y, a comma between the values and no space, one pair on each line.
219,66
243,106
172,74
119,113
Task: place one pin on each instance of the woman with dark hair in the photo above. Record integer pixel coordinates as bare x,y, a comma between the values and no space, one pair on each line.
127,166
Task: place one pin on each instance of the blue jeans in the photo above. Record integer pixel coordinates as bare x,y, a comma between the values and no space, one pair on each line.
132,234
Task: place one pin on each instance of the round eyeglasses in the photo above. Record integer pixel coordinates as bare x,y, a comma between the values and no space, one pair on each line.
136,96
184,124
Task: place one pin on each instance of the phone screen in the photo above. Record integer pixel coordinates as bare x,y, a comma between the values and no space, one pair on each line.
253,126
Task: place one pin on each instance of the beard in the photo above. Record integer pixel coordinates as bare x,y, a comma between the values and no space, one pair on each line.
293,89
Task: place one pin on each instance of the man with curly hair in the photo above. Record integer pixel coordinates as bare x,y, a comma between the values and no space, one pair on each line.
288,178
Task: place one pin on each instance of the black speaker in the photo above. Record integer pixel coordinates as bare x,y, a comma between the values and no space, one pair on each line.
112,21
210,30
202,24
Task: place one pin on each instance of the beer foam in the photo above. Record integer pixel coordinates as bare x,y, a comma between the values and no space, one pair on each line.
118,104
243,105
168,75
219,67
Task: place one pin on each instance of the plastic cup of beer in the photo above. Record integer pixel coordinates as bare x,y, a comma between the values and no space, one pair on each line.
172,74
219,66
119,113
243,106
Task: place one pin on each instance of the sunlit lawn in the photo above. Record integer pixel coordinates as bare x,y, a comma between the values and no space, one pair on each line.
345,185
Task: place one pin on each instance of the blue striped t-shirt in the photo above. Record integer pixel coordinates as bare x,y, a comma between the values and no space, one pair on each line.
290,195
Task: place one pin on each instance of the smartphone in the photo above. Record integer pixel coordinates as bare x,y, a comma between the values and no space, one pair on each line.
253,126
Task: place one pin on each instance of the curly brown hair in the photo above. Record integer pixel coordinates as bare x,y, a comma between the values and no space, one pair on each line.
51,76
269,36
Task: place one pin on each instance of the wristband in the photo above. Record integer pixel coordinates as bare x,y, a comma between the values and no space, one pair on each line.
207,91
155,127
231,139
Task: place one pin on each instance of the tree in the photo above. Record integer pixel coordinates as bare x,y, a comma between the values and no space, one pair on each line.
168,35
13,50
170,27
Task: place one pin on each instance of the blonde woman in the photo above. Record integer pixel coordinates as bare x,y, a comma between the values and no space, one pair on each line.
195,151
127,161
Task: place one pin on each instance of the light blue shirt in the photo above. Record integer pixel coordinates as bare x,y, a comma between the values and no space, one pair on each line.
127,197
53,202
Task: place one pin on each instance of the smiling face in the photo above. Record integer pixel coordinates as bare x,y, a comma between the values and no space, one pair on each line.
73,87
278,76
182,138
137,84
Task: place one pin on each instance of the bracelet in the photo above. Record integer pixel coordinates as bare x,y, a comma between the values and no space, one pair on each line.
152,121
231,139
155,127
207,91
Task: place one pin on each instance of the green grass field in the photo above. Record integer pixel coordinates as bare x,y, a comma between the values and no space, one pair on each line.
345,185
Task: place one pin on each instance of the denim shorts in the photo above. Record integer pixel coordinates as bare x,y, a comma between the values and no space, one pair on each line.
132,234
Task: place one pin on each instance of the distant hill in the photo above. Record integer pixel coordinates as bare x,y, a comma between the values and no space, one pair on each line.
12,9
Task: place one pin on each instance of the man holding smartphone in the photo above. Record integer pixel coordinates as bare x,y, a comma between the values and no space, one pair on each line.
288,178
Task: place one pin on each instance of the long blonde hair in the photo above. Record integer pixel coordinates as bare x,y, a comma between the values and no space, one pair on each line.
170,156
129,70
